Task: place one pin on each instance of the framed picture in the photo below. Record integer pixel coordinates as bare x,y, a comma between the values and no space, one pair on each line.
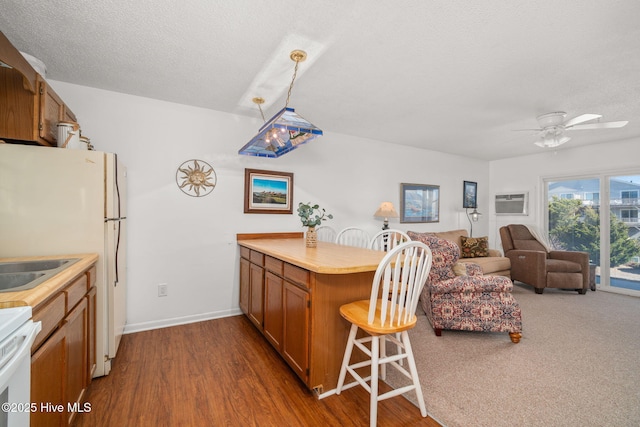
268,192
470,194
419,203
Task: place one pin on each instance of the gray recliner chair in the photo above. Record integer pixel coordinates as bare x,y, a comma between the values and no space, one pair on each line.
533,264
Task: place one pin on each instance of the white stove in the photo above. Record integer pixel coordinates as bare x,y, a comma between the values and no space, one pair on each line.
17,333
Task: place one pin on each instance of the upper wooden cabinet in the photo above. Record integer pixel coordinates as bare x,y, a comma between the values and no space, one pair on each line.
29,108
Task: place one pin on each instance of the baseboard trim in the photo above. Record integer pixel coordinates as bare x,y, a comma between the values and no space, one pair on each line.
175,321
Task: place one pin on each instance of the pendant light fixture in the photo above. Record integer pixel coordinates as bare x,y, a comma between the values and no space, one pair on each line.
286,130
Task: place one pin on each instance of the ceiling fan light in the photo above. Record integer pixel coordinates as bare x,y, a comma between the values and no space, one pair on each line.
551,119
552,142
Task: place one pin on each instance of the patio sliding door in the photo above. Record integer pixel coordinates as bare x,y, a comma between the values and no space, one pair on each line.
624,235
599,215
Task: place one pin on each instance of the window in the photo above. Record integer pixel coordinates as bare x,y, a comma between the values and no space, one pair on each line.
629,215
578,219
595,197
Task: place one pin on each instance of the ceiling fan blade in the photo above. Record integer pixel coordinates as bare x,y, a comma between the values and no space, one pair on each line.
526,130
581,119
605,125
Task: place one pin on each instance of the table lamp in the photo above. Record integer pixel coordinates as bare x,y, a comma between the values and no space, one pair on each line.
386,211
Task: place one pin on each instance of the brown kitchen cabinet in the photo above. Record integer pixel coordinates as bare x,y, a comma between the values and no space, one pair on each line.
256,294
273,312
64,350
48,381
301,293
295,342
278,304
51,112
245,272
92,304
29,108
252,286
76,324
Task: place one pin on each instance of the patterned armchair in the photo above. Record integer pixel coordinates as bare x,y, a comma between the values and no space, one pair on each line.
465,299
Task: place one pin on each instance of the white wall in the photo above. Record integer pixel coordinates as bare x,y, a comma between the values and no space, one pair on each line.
189,243
527,173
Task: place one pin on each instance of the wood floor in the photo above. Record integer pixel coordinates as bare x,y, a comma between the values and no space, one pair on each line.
221,373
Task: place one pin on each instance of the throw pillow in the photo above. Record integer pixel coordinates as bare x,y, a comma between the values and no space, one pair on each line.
473,247
460,269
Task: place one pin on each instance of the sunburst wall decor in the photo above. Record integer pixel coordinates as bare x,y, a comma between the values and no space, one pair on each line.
196,178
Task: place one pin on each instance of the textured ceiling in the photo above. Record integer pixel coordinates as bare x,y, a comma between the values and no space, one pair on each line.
451,76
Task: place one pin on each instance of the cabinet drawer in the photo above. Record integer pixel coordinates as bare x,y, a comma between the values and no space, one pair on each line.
257,258
91,277
296,274
273,264
245,252
76,291
50,315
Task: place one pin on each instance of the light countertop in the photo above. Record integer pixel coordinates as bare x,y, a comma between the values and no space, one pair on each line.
326,258
39,294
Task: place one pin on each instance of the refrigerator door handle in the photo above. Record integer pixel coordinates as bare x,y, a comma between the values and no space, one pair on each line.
116,255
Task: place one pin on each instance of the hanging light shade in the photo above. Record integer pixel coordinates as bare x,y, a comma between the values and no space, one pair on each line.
286,130
283,133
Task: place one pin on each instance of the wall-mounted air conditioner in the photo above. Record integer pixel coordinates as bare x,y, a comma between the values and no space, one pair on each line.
516,203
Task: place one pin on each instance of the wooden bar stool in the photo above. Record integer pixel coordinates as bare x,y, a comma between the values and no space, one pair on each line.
400,277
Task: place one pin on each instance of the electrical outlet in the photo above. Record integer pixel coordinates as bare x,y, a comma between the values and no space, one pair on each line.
163,290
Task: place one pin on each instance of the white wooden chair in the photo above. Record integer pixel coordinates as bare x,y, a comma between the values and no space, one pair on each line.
326,234
353,236
400,277
386,240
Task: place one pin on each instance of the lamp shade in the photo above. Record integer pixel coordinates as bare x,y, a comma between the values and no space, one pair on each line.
386,210
283,133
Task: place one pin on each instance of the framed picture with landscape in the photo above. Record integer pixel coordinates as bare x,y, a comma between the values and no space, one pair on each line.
419,203
268,192
469,194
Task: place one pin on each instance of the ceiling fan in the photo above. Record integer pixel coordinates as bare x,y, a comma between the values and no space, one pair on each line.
552,127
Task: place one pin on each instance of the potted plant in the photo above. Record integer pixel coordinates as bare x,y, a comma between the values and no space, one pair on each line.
312,216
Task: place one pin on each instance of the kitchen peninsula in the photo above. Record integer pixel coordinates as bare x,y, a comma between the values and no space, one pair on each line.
292,294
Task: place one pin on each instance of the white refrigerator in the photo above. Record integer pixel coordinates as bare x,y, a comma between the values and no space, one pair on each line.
57,201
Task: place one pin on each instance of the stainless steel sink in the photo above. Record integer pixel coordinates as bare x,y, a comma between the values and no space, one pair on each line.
10,281
23,275
24,266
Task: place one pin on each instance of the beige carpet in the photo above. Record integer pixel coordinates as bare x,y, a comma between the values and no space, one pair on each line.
578,364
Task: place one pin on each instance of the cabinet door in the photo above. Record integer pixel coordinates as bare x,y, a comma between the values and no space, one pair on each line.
295,342
76,324
273,315
51,112
68,115
256,294
48,379
92,303
18,114
245,277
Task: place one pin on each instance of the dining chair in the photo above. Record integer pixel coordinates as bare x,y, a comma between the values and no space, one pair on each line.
353,236
399,278
388,239
326,233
